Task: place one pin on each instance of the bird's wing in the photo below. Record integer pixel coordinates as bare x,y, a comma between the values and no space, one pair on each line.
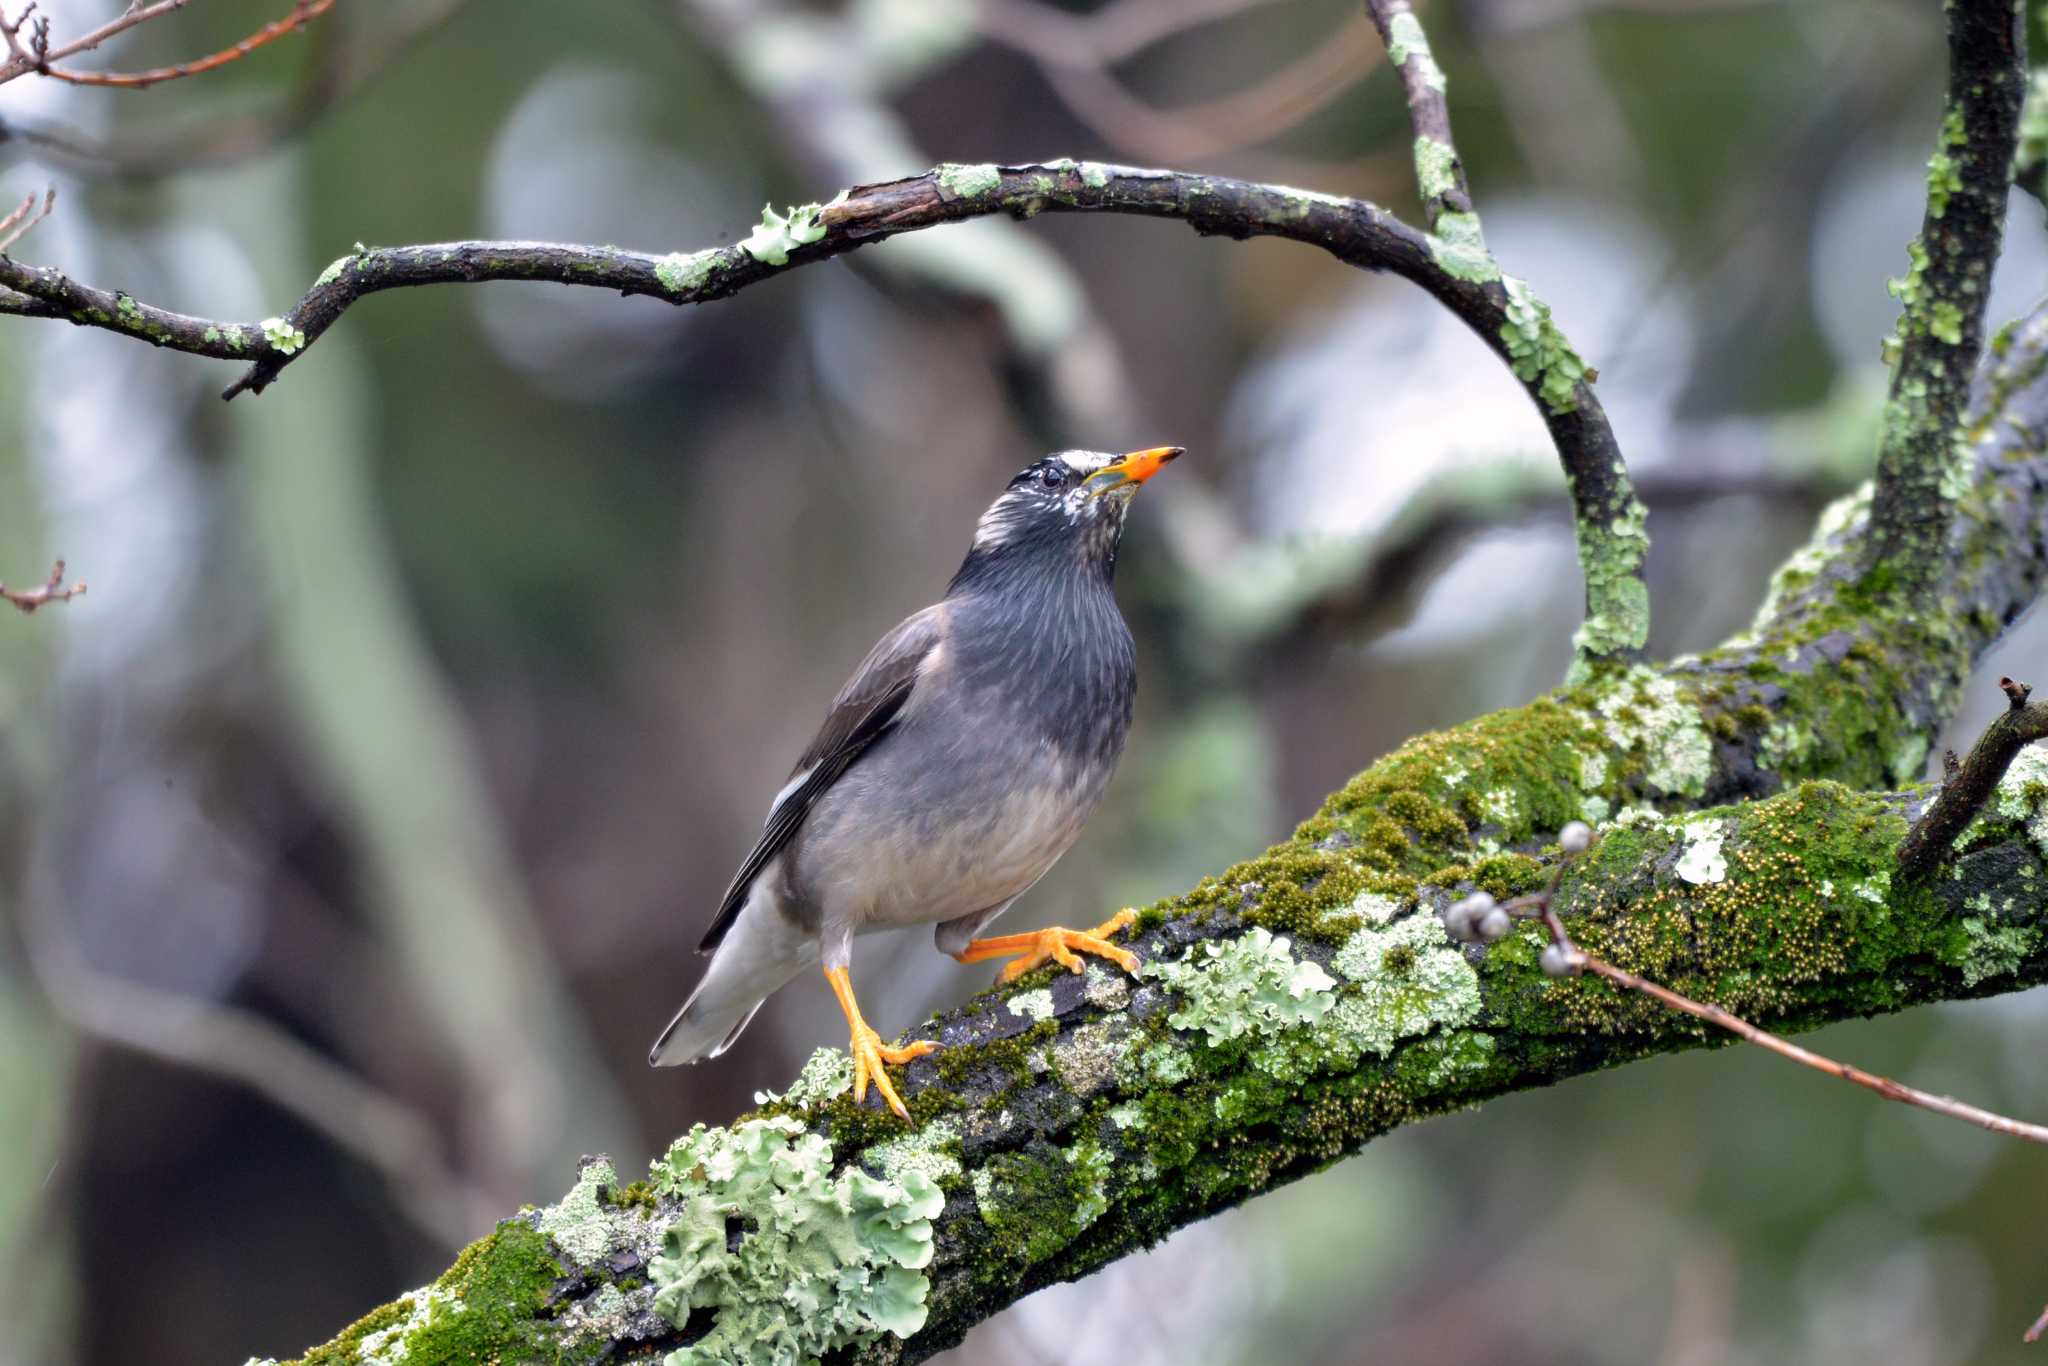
862,713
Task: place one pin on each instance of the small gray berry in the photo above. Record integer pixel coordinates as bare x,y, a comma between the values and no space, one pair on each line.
1459,924
1558,962
1576,837
1494,925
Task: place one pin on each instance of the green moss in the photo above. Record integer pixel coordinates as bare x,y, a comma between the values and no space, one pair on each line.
1944,172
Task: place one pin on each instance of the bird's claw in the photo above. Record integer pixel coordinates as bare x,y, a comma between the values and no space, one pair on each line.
1040,947
869,1055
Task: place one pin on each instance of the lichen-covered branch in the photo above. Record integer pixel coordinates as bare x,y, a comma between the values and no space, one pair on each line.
1284,1014
1505,314
1922,462
1307,1000
1608,518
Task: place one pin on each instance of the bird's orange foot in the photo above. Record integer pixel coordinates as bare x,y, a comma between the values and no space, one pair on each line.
1039,947
869,1053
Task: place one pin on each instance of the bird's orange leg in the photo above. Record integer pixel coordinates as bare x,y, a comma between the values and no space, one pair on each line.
1038,947
869,1052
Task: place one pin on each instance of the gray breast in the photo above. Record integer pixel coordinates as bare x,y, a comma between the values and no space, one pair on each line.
995,767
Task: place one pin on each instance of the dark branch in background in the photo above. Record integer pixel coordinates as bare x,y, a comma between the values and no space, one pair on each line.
48,591
1965,790
1503,313
1608,517
1075,54
1922,466
303,12
338,71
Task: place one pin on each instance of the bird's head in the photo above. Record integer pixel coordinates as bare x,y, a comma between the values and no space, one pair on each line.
1066,509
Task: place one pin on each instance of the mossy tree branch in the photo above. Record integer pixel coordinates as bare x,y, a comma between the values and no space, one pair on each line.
1922,465
1305,1001
1500,309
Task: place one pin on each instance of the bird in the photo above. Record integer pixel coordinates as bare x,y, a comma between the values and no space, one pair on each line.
956,766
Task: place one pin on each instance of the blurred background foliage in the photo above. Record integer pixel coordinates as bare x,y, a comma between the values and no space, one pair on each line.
356,829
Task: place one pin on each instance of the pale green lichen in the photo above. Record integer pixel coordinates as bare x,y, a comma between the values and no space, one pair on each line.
684,273
210,335
1375,907
1611,555
828,1072
1091,1166
1129,1115
1410,979
795,1261
1838,519
970,182
1436,167
2022,794
777,235
1094,174
932,1151
1537,351
1645,713
1703,862
1785,744
1249,985
1458,246
581,1221
1033,1005
333,271
282,335
1996,950
1407,44
1087,1058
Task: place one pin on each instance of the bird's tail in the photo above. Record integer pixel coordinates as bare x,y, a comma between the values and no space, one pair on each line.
760,953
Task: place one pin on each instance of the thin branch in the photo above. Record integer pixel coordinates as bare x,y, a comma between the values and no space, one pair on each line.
19,224
48,591
1078,71
1608,517
1439,173
387,1136
1941,326
302,13
21,63
2040,1326
1805,1057
1967,787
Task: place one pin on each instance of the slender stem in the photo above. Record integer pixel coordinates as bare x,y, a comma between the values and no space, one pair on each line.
302,13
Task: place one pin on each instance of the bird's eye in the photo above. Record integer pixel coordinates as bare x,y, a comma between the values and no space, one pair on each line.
1052,476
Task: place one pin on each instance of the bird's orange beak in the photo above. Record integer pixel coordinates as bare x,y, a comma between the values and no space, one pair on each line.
1127,471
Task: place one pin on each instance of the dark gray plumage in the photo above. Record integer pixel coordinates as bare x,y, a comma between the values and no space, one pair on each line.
952,771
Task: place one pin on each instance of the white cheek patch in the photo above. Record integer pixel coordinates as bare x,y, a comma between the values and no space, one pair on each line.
997,524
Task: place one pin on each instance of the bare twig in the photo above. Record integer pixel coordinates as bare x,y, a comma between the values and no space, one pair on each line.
2040,1326
302,13
50,590
20,62
1967,787
1941,326
19,223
